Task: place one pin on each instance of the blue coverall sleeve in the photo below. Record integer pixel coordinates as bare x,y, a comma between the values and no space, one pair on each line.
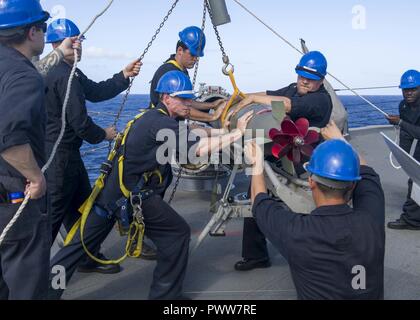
274,221
76,113
368,195
104,90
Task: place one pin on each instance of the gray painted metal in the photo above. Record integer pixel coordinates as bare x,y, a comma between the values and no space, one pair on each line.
410,165
220,12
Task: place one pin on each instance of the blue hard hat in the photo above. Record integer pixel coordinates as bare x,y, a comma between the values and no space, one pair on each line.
194,39
20,13
60,29
410,80
335,160
313,65
176,84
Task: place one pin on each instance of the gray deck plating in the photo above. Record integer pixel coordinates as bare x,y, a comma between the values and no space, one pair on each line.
211,274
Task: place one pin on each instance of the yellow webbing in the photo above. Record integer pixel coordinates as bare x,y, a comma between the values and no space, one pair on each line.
236,93
176,64
137,228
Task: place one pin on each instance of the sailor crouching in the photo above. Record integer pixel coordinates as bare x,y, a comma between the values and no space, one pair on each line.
138,170
337,251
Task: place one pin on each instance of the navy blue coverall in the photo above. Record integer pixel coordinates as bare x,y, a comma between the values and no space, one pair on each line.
410,130
164,226
25,253
68,181
327,248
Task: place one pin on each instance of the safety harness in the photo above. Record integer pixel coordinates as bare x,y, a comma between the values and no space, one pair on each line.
129,207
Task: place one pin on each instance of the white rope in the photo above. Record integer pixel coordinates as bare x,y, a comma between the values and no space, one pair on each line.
397,133
63,128
295,48
96,18
94,150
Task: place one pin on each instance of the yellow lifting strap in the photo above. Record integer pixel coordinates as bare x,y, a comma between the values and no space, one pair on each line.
235,94
134,242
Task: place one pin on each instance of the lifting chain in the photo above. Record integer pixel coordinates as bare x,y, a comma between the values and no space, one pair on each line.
225,57
127,93
178,179
203,26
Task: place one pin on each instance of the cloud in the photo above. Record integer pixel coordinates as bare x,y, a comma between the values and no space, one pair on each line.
101,53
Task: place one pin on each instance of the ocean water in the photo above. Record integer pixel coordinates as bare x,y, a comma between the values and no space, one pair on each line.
360,114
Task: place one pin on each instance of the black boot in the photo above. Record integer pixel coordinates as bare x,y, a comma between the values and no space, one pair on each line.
92,266
249,264
148,252
400,224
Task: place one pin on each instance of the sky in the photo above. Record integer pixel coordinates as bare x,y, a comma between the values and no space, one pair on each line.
367,43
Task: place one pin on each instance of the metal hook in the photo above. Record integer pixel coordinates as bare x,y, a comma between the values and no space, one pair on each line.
225,70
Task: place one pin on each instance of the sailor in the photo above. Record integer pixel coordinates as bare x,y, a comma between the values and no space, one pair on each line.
24,254
409,122
337,251
139,172
189,49
308,99
68,181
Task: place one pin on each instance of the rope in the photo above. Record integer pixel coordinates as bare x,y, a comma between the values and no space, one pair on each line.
268,27
368,88
93,150
295,48
99,113
63,128
397,133
358,104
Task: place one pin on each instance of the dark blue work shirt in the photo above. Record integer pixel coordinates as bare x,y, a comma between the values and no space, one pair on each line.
314,106
22,108
164,68
322,248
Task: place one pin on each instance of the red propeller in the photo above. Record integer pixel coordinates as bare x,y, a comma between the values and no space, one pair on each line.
293,139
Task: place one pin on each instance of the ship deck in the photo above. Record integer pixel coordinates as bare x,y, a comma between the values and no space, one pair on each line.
210,272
